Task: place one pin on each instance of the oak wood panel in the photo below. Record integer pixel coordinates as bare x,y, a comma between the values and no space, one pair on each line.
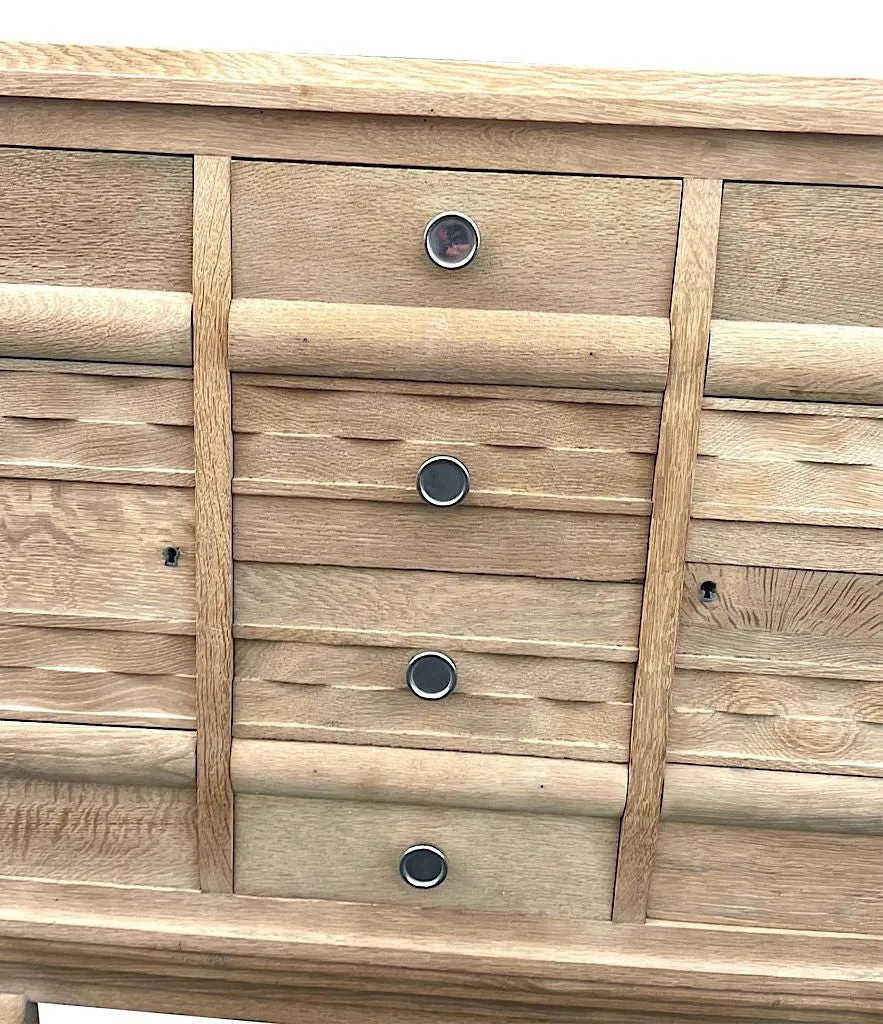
578,479
389,776
429,88
95,220
565,545
214,472
803,361
44,390
429,343
100,427
575,965
105,324
92,832
93,368
792,801
822,470
92,554
797,622
504,704
396,410
407,608
444,142
498,862
758,877
74,753
786,546
340,215
672,489
796,723
800,254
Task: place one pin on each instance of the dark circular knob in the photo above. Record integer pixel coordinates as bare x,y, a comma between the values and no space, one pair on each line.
451,240
443,481
431,675
424,867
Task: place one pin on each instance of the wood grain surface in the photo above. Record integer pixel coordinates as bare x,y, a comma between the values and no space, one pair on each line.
97,677
98,833
557,972
498,863
792,722
672,490
429,88
127,757
394,410
462,143
789,621
472,346
92,555
362,231
214,470
768,878
786,546
803,802
389,776
407,608
800,254
520,453
801,361
77,426
503,704
773,467
105,324
95,220
562,545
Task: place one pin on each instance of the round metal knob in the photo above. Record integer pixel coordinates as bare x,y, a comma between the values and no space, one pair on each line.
424,867
431,675
443,481
451,240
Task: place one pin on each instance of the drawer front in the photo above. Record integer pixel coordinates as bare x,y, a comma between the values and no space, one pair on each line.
798,311
508,704
335,441
763,849
95,256
330,837
100,805
548,243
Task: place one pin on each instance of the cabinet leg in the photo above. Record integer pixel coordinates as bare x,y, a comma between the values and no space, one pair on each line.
17,1010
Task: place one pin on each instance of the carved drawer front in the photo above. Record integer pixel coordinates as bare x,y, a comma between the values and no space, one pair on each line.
371,609
770,849
480,833
556,280
95,256
96,804
798,309
781,636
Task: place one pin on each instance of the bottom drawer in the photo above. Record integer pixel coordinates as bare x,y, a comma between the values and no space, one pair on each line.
770,849
487,833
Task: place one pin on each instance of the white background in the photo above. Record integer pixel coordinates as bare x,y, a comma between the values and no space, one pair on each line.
777,36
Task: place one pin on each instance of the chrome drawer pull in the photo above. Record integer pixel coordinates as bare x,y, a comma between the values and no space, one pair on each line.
451,240
443,481
431,675
423,867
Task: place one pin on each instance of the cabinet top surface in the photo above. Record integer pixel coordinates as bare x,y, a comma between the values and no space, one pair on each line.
431,88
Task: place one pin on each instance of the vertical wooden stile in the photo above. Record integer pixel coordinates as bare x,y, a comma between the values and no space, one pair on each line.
17,1010
214,565
691,303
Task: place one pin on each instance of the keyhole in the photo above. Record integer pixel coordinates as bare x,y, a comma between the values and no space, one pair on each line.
707,591
170,556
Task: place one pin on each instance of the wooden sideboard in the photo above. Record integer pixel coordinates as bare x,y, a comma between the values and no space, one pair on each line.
441,520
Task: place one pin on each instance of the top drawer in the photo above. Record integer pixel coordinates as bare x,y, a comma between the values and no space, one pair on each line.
550,243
